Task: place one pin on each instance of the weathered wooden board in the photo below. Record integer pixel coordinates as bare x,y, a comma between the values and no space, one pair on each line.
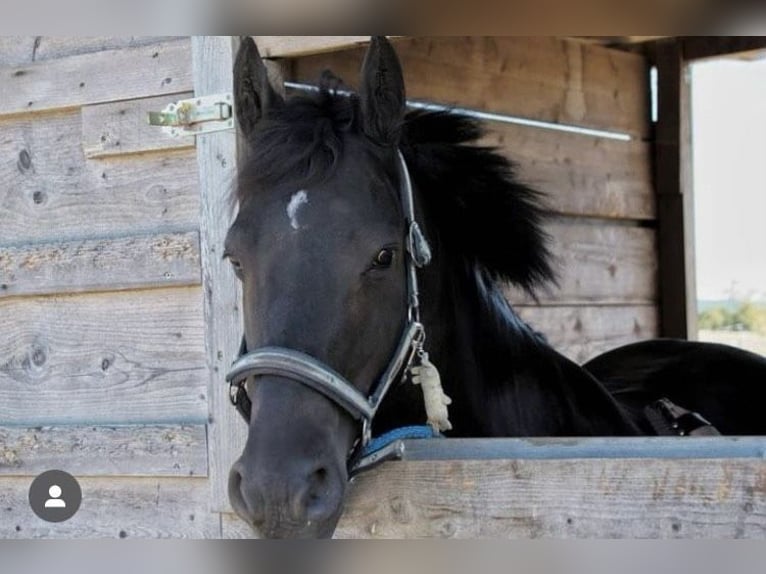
122,127
543,78
281,46
582,448
596,498
162,260
599,264
675,209
119,74
135,450
116,508
232,527
107,358
49,191
581,175
581,333
647,498
18,50
217,159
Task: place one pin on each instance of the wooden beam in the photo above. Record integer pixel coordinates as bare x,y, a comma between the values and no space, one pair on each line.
50,192
24,50
700,47
122,507
672,160
582,332
103,358
73,81
598,264
582,448
213,58
580,174
129,450
107,264
564,498
561,488
288,46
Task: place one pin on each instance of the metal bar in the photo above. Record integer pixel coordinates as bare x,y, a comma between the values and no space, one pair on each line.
703,447
486,116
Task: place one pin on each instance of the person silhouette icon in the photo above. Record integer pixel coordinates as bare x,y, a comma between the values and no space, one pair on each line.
54,496
55,501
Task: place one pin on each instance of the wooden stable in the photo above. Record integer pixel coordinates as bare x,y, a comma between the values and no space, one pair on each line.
121,318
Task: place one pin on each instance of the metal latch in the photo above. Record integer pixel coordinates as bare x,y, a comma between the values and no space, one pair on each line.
195,116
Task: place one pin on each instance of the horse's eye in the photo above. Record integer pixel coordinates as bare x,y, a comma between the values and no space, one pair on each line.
383,259
235,263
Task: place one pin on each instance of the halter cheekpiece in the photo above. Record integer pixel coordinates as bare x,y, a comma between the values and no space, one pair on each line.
313,373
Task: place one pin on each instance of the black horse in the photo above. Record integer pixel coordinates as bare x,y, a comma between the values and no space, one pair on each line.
340,287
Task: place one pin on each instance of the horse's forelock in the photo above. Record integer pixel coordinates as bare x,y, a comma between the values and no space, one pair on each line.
301,142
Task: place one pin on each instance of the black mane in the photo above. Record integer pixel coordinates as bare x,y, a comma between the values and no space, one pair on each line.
480,209
473,201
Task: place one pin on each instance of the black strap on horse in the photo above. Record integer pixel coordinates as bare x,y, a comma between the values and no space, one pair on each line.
669,419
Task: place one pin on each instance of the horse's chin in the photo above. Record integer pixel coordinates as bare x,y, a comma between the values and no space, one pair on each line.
310,531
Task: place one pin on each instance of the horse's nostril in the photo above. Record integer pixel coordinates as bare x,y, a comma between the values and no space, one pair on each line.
247,505
319,476
320,500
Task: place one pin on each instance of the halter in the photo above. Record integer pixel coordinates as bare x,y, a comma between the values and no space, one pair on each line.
313,373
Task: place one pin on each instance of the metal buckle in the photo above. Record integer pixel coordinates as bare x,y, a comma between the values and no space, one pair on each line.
393,451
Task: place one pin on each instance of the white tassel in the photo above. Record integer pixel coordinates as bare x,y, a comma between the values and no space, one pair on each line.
427,376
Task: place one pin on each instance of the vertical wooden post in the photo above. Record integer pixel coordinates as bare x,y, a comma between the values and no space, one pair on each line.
212,60
673,184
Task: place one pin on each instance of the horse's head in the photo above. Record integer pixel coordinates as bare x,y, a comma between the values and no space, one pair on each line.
319,244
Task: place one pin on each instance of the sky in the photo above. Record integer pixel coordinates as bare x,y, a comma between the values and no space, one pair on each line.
729,162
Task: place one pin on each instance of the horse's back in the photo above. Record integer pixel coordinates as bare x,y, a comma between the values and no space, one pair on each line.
725,384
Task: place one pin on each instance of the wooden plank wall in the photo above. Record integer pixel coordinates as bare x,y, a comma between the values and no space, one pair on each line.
102,362
100,254
557,498
599,189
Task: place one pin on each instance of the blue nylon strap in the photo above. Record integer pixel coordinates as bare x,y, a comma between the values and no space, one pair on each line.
401,433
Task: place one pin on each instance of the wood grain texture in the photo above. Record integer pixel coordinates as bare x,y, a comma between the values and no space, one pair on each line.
217,160
116,508
542,78
581,333
153,450
122,127
103,76
162,260
598,264
675,209
595,498
20,50
581,175
233,528
130,357
618,498
283,46
49,191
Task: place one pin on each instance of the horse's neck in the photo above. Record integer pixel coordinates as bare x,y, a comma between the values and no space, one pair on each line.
503,378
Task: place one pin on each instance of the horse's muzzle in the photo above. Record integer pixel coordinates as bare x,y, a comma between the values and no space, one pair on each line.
304,505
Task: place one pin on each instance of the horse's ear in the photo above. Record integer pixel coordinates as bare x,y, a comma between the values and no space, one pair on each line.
253,93
381,93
